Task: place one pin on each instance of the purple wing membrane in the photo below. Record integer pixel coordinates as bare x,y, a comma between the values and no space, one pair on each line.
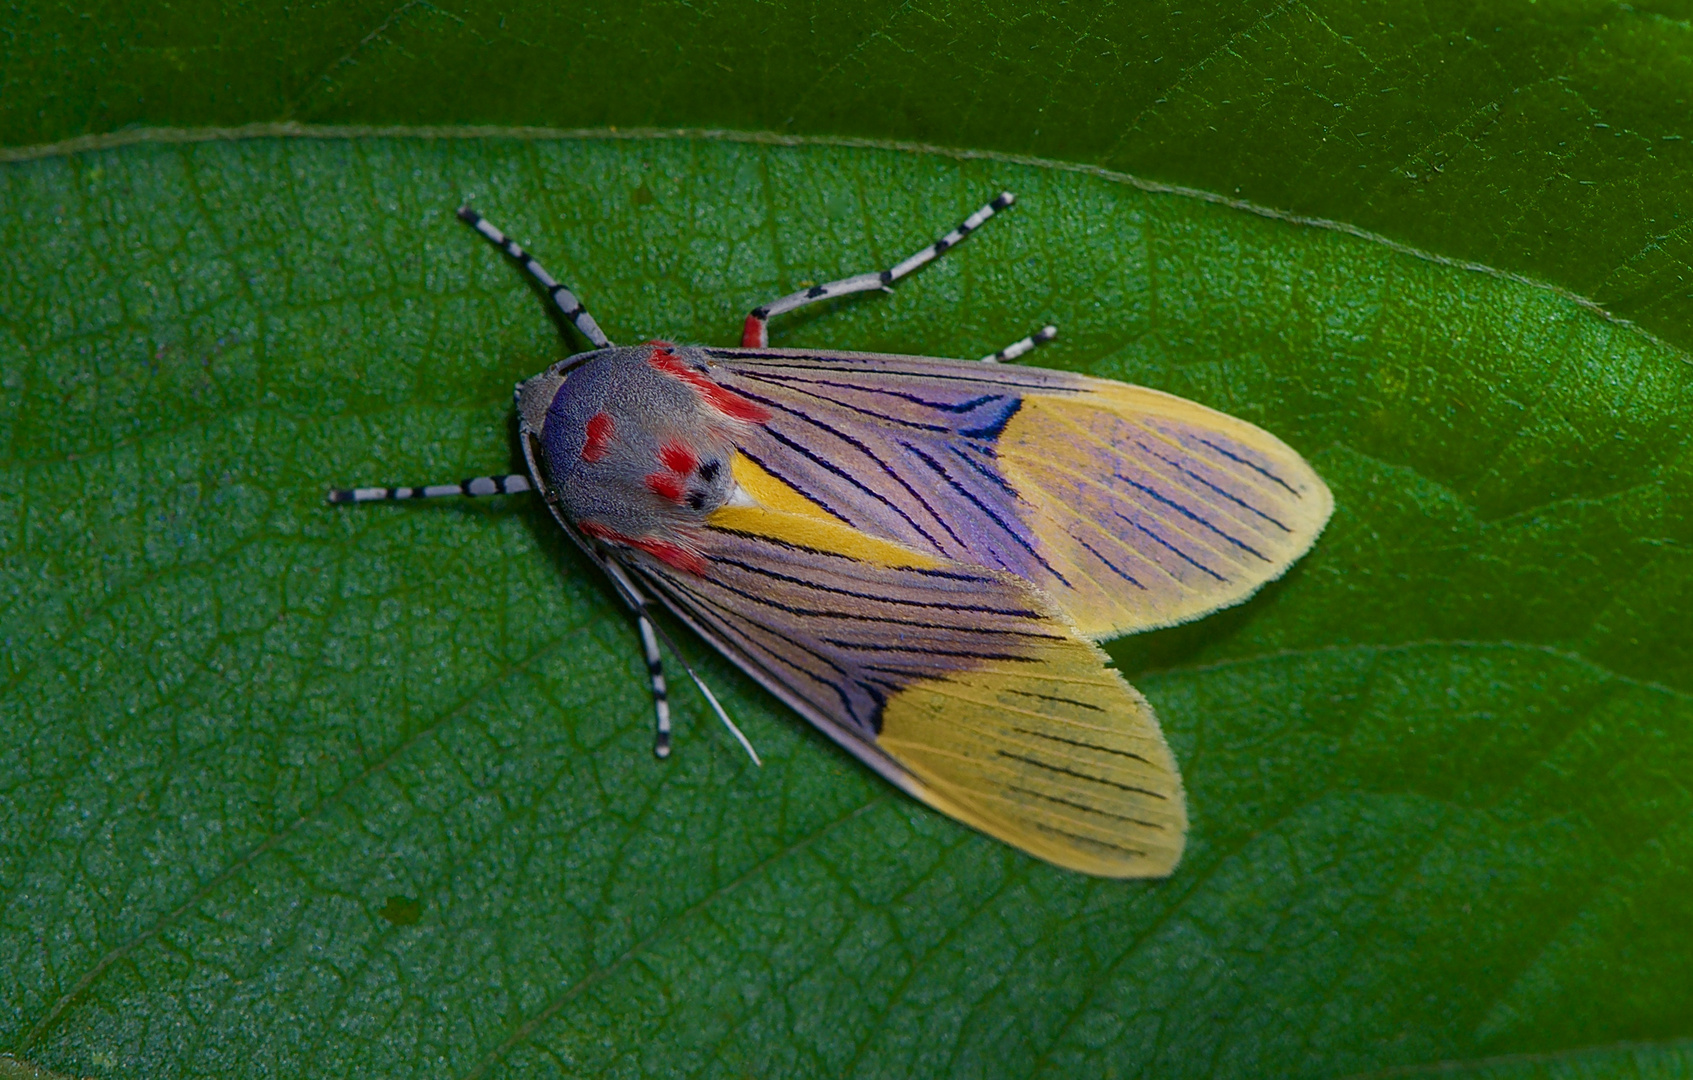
845,635
899,451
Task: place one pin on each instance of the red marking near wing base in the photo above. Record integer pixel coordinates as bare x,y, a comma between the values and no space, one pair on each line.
677,457
753,334
666,484
601,431
665,551
727,402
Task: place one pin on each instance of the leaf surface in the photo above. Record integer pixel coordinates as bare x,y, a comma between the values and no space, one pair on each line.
302,790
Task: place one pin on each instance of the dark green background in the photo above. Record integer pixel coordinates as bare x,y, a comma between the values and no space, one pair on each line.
314,793
1551,138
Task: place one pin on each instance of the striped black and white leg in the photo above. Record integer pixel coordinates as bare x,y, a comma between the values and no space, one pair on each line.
563,297
637,601
510,484
661,693
754,333
1022,348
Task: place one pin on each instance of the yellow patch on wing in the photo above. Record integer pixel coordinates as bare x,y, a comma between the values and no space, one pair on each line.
780,513
1155,510
1055,755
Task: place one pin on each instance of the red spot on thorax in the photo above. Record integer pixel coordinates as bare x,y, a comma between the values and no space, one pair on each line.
666,484
601,431
665,551
678,462
677,457
727,402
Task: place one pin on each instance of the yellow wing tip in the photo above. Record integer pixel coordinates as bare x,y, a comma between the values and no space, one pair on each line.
1048,757
1096,602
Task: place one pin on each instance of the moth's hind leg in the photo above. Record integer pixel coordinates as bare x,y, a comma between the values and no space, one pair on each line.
661,693
650,634
753,334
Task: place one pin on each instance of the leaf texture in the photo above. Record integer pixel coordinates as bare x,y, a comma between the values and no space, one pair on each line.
1547,139
296,791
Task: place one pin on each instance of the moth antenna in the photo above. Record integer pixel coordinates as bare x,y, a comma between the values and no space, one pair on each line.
563,297
647,626
510,484
1022,348
722,715
754,334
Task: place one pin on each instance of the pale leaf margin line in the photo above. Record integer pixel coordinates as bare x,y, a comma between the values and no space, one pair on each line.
290,130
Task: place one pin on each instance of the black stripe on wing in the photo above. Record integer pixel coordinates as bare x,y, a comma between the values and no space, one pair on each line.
903,448
815,387
750,646
961,372
792,443
844,635
991,513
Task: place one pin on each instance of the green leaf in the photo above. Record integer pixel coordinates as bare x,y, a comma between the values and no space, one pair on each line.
1552,138
304,790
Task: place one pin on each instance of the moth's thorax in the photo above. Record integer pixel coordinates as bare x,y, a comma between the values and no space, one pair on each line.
631,441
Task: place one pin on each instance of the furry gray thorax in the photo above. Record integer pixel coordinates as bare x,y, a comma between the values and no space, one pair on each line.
628,442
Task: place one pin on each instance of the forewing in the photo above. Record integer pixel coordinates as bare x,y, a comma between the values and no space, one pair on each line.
1129,508
957,684
1155,510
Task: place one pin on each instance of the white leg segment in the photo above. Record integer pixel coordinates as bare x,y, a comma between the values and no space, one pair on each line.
510,484
1020,348
661,694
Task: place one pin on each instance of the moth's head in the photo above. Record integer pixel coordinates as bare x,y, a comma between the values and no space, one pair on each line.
630,440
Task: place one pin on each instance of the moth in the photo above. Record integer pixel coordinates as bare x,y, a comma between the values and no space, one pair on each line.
918,555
